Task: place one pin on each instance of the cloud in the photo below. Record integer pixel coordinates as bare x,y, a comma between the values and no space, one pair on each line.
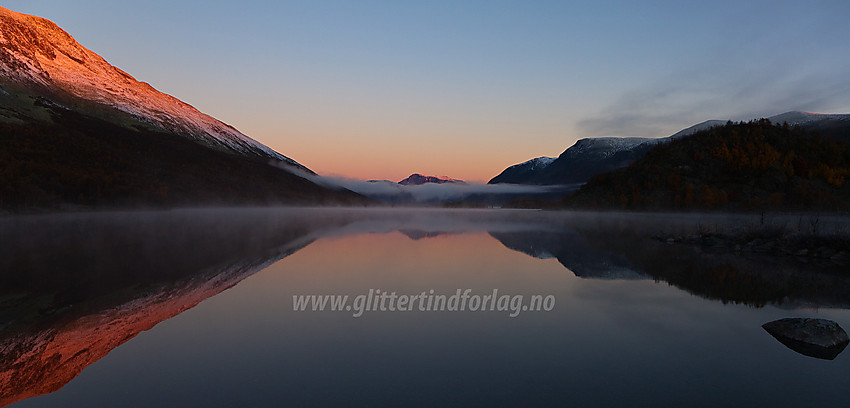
742,85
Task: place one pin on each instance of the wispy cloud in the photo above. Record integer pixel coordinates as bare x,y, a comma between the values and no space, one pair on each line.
740,85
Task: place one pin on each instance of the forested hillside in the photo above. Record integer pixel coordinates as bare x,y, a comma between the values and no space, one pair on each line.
739,166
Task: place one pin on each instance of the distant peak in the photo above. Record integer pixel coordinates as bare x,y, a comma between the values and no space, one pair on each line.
419,179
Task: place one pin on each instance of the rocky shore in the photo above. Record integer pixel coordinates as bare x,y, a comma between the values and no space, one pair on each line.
832,249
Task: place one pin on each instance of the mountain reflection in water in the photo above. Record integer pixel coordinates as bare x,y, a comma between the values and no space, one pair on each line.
74,287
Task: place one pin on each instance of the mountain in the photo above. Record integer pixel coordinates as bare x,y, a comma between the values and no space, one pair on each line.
417,179
36,54
586,158
698,127
79,132
592,156
521,173
754,166
803,118
832,126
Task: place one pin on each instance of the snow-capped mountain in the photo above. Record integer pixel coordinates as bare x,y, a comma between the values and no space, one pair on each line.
833,126
37,55
537,163
586,158
419,179
79,133
519,173
802,118
696,128
591,156
603,147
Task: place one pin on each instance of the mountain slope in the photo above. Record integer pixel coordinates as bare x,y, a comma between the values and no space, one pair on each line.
78,133
37,55
523,172
696,128
83,162
831,126
584,159
592,156
751,166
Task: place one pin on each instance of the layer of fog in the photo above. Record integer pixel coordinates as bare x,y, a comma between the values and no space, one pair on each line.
432,192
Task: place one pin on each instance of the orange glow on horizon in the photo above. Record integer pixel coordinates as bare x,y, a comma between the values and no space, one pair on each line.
473,165
395,145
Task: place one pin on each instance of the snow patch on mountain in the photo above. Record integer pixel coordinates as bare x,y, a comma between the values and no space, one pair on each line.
536,163
35,52
602,147
697,128
799,118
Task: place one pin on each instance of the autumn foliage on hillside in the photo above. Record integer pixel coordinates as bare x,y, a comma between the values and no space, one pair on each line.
752,166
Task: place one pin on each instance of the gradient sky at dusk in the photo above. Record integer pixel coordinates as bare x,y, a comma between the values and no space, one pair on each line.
382,89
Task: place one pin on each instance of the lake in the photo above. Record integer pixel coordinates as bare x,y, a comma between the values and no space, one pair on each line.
197,308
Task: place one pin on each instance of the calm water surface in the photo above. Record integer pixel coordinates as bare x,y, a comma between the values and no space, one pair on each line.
196,309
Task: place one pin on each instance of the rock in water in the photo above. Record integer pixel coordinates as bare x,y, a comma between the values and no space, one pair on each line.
819,338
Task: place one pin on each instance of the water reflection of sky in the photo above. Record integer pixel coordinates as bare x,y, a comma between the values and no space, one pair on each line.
608,342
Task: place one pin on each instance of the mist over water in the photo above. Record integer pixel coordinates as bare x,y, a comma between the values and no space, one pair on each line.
200,304
430,193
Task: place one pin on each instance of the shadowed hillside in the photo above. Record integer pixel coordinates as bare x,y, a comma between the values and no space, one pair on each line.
753,166
78,161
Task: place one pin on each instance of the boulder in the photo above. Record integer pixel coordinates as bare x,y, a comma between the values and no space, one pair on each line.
819,338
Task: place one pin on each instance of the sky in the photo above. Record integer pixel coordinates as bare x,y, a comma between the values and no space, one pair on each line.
383,89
